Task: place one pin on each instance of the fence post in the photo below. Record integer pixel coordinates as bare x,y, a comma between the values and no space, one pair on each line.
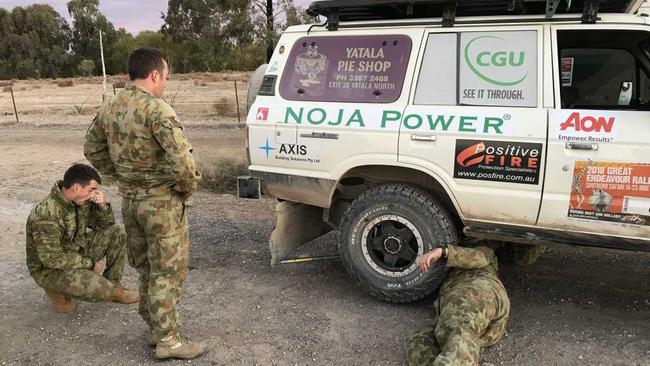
11,89
237,100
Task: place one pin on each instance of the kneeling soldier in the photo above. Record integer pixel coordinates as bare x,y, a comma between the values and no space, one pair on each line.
68,233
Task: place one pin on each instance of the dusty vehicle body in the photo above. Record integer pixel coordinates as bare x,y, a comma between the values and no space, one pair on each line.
407,133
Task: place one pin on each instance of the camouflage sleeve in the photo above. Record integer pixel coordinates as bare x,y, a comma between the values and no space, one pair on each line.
47,239
96,148
98,218
168,132
470,258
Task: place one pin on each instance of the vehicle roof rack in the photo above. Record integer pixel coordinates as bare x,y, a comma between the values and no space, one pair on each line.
337,11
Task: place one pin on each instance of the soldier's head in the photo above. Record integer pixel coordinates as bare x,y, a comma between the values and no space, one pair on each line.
148,69
80,182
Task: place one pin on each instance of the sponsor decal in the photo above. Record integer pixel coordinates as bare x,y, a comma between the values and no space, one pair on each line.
274,67
262,114
586,127
566,70
391,120
309,65
346,68
499,68
289,152
483,60
498,161
267,148
614,192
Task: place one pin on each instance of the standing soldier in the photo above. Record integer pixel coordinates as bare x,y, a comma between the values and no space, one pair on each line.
470,313
67,234
138,138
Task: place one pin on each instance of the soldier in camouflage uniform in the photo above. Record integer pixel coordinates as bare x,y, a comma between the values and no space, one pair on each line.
67,234
470,313
137,137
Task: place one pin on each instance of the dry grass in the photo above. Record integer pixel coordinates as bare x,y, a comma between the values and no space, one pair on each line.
226,107
119,84
6,89
6,83
65,83
220,175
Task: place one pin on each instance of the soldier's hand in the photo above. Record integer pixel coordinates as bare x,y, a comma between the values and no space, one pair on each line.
177,188
425,261
99,199
99,268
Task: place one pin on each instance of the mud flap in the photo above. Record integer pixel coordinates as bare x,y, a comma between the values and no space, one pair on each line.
296,224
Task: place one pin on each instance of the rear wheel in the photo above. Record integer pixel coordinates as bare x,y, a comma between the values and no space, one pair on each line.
254,86
384,231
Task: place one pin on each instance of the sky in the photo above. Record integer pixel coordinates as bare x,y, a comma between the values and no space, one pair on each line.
134,16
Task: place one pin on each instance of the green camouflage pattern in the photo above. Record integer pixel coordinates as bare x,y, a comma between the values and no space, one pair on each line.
138,138
159,250
470,313
64,241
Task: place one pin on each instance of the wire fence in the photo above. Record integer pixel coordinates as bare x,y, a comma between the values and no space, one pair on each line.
205,99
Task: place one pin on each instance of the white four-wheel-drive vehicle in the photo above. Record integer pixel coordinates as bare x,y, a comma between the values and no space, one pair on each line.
408,124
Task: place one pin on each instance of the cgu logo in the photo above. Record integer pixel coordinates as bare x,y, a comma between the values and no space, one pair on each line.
484,60
500,59
472,155
588,123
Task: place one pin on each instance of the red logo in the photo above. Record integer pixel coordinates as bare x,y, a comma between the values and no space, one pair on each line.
262,114
588,123
472,155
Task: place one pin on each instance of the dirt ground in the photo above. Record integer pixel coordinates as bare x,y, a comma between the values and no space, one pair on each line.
572,307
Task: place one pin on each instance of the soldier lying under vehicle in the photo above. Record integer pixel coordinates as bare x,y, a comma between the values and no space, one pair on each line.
472,309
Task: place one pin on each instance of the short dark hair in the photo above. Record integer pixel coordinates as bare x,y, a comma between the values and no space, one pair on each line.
80,173
143,61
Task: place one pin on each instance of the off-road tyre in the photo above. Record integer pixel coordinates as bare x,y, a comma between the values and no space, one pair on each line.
254,86
363,225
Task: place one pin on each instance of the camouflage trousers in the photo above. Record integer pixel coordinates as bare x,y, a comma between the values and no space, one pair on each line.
85,284
158,242
466,319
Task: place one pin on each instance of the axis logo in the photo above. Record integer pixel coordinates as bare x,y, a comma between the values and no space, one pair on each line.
588,123
284,150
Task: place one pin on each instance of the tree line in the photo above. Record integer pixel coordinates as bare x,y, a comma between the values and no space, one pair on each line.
196,35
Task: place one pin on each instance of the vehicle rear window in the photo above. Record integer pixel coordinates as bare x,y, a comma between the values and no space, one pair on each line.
367,69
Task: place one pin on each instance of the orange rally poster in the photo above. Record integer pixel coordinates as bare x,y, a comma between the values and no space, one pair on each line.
616,192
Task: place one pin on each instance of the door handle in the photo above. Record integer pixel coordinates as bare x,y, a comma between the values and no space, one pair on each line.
581,146
423,137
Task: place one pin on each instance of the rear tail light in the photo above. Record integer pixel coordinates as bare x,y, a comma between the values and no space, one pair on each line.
268,85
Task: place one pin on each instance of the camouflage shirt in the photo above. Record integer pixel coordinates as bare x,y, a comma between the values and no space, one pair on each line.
138,138
56,232
476,269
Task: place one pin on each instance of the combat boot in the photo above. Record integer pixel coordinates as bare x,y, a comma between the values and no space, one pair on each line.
176,346
122,295
60,302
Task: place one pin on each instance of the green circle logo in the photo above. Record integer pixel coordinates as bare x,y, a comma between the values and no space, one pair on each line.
494,59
